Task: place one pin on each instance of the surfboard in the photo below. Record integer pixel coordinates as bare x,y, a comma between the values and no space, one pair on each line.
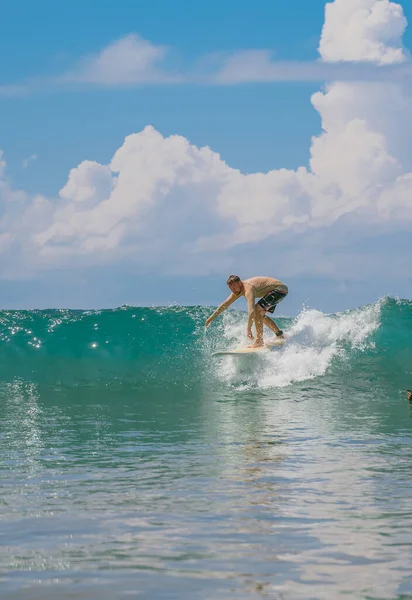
246,350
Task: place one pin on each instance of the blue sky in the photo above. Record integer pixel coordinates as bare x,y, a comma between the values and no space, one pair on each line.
255,126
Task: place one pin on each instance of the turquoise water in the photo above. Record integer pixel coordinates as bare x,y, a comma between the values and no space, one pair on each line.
134,464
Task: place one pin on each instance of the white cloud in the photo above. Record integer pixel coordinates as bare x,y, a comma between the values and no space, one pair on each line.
22,216
146,192
363,30
129,60
165,205
89,182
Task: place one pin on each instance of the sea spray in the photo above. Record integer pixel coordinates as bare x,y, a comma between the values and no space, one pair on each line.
314,340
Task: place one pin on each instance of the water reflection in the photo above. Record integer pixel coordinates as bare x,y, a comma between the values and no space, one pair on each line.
240,493
317,498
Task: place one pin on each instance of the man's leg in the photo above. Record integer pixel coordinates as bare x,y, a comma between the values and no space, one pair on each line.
274,297
271,324
259,316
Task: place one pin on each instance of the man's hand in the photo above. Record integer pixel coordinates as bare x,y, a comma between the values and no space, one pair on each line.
208,321
250,334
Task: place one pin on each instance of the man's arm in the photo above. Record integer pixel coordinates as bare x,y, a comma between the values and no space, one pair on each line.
250,299
222,307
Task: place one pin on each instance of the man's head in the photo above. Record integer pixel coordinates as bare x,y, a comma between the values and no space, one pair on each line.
235,284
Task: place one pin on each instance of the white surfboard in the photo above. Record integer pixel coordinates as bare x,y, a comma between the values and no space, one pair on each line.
247,350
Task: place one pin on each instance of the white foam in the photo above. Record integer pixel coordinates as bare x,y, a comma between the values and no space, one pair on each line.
314,340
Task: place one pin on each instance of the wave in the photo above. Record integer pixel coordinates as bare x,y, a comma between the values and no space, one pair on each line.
169,345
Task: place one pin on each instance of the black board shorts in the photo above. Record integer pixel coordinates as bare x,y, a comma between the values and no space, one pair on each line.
271,300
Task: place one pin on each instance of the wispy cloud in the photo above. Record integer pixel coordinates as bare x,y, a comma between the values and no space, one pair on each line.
130,60
12,91
26,161
258,66
134,61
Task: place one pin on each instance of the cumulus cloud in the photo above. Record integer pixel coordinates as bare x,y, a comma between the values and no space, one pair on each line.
21,217
166,205
89,182
363,30
138,203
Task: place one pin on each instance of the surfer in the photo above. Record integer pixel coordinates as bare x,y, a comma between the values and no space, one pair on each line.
270,291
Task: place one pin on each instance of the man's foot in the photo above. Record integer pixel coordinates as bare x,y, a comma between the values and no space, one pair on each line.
257,344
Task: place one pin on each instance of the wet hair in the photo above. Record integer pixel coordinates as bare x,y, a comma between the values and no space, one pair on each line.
233,279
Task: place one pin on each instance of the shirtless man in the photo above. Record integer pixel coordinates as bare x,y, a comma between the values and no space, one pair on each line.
271,291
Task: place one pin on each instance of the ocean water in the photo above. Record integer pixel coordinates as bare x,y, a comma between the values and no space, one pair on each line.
135,464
